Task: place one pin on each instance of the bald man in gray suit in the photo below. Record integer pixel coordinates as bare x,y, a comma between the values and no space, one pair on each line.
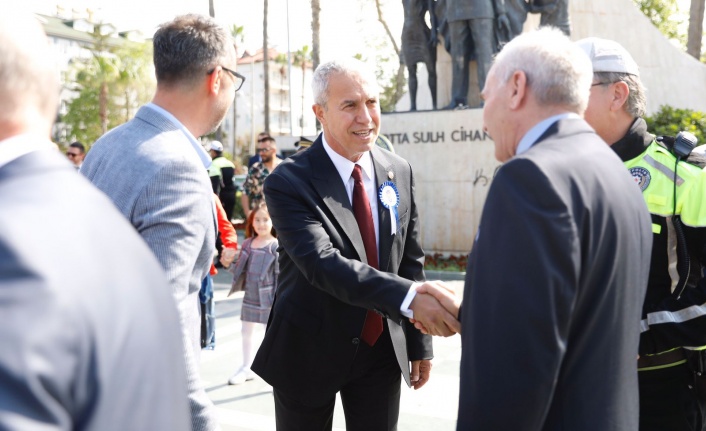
90,335
155,170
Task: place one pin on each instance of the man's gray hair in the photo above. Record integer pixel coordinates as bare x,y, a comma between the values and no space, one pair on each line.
348,66
188,47
558,72
28,75
636,105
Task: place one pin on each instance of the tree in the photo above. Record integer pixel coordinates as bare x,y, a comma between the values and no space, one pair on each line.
696,28
398,83
109,84
315,41
302,58
266,66
659,12
238,33
315,31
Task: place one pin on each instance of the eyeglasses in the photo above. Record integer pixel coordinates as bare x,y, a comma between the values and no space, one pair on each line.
72,154
601,83
238,79
264,150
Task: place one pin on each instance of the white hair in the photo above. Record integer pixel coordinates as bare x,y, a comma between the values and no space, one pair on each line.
28,76
347,66
558,71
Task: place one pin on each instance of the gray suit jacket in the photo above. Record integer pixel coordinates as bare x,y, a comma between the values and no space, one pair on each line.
153,175
554,291
89,331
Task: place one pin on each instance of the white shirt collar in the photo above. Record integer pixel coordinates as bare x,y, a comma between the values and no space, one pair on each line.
345,166
17,146
203,155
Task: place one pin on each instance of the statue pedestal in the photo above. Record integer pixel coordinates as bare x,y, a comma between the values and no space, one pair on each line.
454,163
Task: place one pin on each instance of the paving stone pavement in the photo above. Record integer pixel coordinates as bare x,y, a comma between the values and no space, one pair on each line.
250,406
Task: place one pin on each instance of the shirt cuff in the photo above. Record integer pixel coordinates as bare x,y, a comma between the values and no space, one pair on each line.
404,308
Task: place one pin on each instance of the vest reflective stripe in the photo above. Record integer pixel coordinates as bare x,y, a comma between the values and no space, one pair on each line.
658,188
672,256
664,169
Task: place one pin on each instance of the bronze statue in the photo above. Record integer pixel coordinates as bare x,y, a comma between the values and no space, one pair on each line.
472,30
419,45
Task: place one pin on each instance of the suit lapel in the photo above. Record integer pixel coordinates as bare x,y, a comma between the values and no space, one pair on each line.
326,181
385,238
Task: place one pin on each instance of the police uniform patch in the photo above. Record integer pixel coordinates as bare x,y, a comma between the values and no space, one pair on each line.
641,176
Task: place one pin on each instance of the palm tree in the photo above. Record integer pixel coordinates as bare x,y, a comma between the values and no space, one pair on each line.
106,68
302,58
266,67
696,28
315,30
237,31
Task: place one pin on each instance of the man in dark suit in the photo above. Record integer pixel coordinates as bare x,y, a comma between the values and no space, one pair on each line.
350,261
558,270
90,332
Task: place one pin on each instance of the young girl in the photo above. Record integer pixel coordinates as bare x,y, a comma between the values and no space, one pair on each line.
255,272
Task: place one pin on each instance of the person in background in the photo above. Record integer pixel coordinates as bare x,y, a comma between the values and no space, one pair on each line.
90,332
221,173
256,273
76,153
670,365
256,158
252,187
154,170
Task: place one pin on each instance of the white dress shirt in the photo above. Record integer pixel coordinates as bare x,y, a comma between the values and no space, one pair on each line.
345,170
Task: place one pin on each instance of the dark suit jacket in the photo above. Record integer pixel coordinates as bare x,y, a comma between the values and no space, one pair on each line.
90,331
324,289
554,289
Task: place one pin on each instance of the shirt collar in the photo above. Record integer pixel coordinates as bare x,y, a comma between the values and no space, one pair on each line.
345,166
19,145
538,129
203,155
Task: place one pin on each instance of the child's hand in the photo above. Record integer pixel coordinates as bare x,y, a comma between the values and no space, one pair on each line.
227,256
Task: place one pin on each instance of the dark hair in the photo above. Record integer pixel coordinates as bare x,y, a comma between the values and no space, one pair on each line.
80,146
187,47
249,230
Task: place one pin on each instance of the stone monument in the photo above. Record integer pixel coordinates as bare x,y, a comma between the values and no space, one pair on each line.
452,157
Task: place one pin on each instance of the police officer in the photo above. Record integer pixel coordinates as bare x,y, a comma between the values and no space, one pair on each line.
221,173
674,310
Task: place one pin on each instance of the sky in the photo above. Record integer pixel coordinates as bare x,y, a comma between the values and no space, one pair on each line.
348,27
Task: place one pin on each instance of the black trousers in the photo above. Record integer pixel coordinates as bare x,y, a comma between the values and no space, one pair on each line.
669,400
370,395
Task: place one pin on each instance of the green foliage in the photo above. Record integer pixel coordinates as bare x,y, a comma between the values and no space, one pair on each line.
661,13
669,121
108,87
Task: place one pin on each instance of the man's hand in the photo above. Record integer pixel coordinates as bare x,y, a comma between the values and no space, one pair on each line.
431,316
420,373
227,256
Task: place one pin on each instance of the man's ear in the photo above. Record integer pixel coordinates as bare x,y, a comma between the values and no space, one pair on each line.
619,96
319,112
213,82
517,85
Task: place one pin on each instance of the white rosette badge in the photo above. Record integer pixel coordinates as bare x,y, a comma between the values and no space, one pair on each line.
390,199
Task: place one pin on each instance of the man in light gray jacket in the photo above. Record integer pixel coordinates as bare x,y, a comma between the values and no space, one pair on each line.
155,170
90,335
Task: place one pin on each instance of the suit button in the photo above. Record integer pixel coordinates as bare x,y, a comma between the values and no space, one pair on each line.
355,341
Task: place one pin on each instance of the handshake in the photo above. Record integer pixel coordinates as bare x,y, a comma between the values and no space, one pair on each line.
436,309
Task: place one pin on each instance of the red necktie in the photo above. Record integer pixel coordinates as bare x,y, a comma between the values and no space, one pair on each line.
364,216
